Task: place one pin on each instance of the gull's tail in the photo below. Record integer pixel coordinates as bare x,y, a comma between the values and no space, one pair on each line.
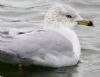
5,39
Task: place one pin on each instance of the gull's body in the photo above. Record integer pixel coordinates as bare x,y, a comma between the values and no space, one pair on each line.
56,45
49,48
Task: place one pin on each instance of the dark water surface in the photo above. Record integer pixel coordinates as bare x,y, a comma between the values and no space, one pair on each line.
8,70
28,14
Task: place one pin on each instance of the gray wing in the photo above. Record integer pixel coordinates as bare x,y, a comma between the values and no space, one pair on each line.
38,43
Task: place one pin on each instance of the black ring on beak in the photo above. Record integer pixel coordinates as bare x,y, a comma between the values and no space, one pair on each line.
90,23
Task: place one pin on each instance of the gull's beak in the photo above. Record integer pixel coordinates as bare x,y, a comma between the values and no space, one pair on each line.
86,22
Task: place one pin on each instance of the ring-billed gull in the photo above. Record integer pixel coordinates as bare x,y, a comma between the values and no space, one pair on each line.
56,45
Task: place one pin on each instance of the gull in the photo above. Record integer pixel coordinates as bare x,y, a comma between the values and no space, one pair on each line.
56,45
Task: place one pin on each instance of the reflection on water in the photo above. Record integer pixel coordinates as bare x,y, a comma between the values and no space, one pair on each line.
8,70
28,14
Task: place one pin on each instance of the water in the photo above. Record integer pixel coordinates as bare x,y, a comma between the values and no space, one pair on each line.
28,14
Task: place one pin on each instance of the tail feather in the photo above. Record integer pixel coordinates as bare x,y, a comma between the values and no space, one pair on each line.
5,40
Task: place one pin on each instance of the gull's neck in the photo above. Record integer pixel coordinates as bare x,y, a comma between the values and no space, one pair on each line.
61,27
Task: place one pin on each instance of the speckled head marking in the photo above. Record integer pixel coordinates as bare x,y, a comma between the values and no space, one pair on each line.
63,16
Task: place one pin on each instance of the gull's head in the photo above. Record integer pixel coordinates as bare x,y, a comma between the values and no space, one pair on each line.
64,16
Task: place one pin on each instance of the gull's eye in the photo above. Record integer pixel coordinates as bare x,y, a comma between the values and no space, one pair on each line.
68,16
